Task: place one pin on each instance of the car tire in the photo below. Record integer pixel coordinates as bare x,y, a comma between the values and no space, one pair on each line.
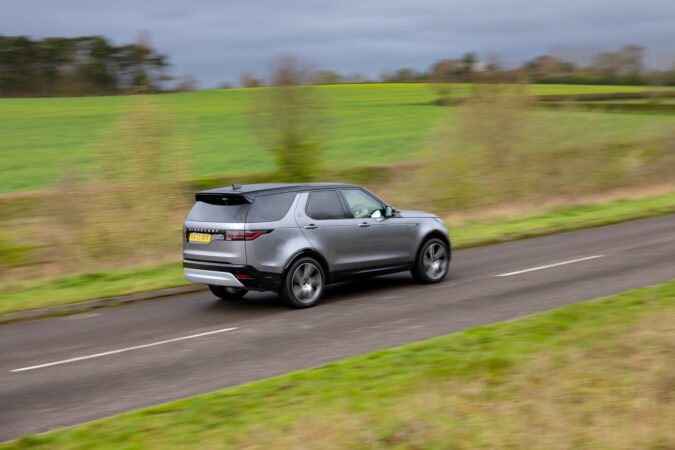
432,263
303,283
228,293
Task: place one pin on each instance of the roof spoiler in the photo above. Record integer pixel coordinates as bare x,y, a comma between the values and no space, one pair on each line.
214,198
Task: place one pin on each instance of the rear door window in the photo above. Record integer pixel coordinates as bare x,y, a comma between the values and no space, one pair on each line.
270,208
324,205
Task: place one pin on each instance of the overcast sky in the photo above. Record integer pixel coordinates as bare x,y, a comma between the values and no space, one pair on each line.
215,40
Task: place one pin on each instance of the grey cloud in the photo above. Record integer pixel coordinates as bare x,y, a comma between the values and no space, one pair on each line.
216,40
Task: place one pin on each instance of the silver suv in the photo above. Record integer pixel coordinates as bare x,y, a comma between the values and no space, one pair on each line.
296,238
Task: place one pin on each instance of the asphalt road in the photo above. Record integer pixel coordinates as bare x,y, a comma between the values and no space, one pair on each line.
62,371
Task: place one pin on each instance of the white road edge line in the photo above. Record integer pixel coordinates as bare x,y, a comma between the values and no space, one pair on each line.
121,350
550,265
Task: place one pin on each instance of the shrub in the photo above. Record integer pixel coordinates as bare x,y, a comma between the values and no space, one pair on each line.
499,150
123,212
290,120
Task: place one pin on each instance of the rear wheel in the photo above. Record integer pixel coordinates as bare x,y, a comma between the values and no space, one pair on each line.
303,283
228,293
432,262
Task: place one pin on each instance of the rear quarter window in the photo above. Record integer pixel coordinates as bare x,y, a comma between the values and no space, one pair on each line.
270,208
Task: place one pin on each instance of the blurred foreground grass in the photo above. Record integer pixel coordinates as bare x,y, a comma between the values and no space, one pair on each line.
465,232
596,374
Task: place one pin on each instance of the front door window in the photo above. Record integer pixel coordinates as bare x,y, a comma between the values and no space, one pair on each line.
361,204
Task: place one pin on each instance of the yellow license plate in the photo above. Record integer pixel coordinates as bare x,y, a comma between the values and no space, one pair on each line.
200,237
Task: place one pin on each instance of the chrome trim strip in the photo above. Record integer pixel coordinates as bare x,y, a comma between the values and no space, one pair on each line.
211,277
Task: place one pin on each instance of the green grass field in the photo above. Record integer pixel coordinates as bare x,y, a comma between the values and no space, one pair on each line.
465,232
41,138
596,374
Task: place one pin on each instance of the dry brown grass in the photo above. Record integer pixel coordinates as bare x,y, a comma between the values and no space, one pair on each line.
529,208
499,151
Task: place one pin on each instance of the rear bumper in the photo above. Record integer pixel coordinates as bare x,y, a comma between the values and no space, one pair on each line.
232,275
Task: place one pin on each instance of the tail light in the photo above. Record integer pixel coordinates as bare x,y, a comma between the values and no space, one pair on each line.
244,235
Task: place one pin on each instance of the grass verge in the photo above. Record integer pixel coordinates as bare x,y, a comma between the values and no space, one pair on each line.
465,233
88,286
596,374
472,232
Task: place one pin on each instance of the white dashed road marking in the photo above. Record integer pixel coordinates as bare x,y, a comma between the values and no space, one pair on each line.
548,266
121,350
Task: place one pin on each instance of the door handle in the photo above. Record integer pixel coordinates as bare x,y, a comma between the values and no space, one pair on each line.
364,225
310,227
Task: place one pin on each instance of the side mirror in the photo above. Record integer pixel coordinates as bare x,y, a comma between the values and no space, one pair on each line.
389,211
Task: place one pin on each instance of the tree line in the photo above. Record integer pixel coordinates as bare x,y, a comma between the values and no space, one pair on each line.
92,65
624,66
87,65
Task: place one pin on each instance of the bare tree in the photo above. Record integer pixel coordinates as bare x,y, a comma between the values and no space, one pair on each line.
607,64
356,77
248,80
328,77
468,64
443,73
186,84
632,57
290,119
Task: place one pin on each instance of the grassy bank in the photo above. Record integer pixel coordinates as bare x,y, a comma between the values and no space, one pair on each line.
471,232
371,124
465,232
88,286
596,374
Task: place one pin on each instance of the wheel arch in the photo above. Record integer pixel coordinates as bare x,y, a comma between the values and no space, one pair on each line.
430,235
308,252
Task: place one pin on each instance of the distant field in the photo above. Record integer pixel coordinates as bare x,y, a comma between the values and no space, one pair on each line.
373,124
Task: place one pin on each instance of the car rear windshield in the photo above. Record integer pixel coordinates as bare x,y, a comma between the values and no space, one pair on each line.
224,210
270,208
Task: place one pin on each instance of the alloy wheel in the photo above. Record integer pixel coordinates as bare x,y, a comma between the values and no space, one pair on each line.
435,261
306,283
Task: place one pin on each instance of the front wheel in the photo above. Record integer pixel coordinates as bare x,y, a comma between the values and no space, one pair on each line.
432,262
303,283
228,293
